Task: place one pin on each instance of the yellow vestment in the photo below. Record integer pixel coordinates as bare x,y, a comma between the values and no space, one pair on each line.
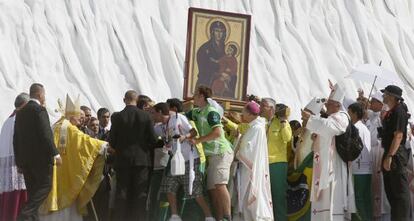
80,174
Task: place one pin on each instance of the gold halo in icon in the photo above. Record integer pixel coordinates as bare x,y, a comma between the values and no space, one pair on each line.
222,20
236,45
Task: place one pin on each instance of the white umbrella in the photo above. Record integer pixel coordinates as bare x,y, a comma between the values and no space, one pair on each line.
375,75
372,72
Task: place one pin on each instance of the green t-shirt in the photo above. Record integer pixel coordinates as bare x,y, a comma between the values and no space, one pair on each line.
206,119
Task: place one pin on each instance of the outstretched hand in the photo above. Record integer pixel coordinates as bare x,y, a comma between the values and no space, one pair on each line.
182,138
331,85
305,115
58,161
111,150
360,93
194,141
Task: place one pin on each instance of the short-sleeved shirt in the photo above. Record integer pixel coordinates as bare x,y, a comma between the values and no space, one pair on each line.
395,120
177,124
206,119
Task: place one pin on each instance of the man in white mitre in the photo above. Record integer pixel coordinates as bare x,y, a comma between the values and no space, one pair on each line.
334,198
76,182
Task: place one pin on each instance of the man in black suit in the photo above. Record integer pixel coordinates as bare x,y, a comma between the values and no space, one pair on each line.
35,151
133,138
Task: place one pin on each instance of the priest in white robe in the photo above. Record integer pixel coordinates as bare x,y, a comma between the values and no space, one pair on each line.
254,195
332,195
380,205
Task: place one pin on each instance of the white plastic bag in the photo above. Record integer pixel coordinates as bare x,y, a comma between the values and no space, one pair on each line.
177,161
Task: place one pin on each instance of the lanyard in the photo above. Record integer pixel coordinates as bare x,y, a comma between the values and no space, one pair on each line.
166,132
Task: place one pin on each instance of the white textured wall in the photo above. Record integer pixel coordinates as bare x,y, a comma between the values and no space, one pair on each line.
100,48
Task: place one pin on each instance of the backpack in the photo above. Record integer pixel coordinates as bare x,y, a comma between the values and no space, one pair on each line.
349,144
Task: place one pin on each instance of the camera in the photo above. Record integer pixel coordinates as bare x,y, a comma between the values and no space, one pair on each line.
282,111
160,143
177,136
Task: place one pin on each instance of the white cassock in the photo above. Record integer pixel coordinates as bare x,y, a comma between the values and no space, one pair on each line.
380,206
363,164
255,198
332,193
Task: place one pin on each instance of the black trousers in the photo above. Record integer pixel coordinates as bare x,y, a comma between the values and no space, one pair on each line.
38,180
396,186
131,193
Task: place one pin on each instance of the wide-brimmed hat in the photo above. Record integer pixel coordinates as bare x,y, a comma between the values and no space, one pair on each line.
394,91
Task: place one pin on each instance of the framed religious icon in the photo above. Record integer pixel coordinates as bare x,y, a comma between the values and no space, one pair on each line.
217,54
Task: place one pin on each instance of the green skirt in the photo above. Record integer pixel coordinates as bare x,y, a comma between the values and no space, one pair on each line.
362,189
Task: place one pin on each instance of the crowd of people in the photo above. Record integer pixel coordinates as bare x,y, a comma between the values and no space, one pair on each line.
348,159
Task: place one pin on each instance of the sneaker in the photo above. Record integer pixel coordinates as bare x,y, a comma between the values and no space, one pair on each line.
175,218
210,219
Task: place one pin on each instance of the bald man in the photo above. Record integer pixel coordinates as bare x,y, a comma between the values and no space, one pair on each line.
133,138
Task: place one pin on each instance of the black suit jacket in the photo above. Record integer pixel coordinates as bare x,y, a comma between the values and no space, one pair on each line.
33,138
132,136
